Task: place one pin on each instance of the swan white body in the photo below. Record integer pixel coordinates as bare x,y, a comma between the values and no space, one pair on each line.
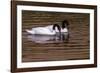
47,30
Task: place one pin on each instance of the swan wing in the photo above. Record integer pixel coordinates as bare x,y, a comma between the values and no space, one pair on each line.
47,30
30,31
50,27
43,31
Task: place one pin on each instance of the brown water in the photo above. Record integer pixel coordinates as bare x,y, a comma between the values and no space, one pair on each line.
40,39
54,49
74,46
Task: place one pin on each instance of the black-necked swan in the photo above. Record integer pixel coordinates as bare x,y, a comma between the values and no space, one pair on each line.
65,26
50,29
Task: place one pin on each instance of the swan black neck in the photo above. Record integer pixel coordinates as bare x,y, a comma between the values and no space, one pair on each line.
56,25
65,23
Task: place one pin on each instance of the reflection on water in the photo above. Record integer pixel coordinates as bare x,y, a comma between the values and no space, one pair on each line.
58,38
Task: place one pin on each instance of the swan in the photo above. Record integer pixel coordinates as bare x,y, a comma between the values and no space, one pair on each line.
47,30
50,29
65,26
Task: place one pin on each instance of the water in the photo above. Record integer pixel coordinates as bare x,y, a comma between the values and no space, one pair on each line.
58,38
72,46
63,46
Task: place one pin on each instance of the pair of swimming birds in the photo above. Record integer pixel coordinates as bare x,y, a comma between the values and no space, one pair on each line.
50,29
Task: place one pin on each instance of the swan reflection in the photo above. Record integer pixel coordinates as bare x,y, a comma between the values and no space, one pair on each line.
58,38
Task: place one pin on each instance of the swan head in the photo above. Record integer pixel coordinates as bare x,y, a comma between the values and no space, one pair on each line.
64,26
56,27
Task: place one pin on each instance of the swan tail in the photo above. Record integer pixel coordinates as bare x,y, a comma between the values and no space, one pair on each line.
30,31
